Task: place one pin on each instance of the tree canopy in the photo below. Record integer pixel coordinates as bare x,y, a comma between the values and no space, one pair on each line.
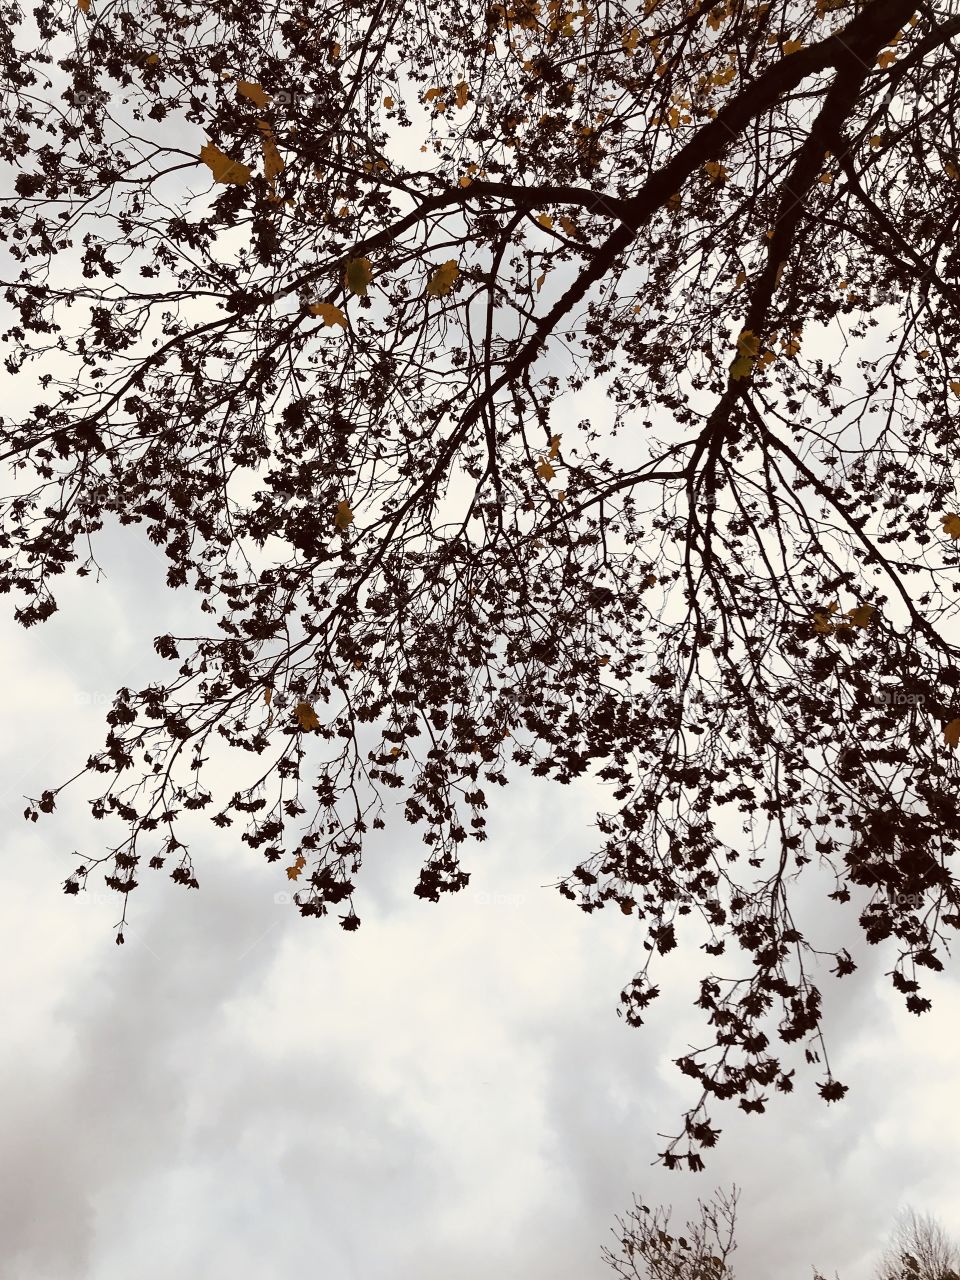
533,385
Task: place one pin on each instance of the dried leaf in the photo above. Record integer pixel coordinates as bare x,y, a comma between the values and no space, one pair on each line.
298,865
222,167
272,161
555,446
462,91
443,279
951,526
329,314
388,102
545,220
306,716
267,695
951,733
83,6
344,516
255,92
792,46
861,615
544,470
357,276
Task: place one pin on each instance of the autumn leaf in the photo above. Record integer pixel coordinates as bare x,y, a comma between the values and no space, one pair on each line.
267,694
545,220
83,6
255,92
539,280
955,388
272,162
821,621
344,516
951,170
861,615
329,314
388,103
462,91
306,716
222,167
298,865
951,526
631,38
357,276
555,446
951,733
792,46
153,59
715,171
443,279
741,368
885,60
544,470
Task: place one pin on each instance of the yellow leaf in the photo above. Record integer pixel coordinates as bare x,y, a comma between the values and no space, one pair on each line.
344,516
715,172
631,38
255,92
544,470
306,716
860,617
329,314
741,368
267,695
443,279
298,865
545,220
876,141
554,446
388,103
222,167
153,59
462,91
885,59
951,733
358,275
951,526
272,162
792,46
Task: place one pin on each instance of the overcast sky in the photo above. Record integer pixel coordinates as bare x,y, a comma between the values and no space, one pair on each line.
446,1092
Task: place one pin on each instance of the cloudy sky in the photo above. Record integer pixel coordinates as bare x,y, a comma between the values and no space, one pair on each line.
448,1091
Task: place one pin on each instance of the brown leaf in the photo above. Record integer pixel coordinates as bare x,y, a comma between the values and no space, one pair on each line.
306,716
344,515
951,733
